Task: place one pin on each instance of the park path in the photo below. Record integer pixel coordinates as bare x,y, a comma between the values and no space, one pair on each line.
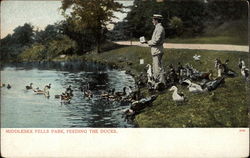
224,47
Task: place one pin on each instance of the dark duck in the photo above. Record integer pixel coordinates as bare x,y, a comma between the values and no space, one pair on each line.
29,87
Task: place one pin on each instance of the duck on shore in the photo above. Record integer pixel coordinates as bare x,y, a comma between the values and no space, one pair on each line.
245,73
194,88
214,84
150,79
197,57
241,63
177,97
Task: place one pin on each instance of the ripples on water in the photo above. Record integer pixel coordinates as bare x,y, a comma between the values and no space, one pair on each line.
23,108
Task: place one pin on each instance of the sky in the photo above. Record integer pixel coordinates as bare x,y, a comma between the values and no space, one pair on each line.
38,13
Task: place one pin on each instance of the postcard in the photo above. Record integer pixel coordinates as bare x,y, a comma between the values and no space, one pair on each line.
124,78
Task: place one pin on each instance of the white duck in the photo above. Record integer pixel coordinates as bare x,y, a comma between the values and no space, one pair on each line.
241,64
149,73
197,57
220,70
39,91
194,88
245,72
176,96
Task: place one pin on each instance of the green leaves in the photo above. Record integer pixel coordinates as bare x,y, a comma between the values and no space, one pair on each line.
91,15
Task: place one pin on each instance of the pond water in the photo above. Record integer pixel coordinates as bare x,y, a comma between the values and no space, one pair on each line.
25,109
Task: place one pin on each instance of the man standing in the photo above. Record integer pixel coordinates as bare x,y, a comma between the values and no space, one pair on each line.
156,44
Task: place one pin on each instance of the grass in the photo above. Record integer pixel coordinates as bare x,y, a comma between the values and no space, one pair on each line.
231,32
210,40
225,107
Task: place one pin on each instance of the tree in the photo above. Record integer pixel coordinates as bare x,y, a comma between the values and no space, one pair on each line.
51,32
91,15
23,34
190,12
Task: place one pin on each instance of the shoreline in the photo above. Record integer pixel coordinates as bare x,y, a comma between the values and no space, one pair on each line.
202,110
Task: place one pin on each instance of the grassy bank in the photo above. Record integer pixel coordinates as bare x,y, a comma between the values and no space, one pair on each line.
224,107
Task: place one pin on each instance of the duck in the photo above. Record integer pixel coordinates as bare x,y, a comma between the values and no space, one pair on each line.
29,87
177,97
69,89
57,96
119,94
39,91
245,72
105,94
88,94
217,62
241,63
196,57
180,69
149,73
129,91
194,88
214,84
8,86
48,86
65,98
220,70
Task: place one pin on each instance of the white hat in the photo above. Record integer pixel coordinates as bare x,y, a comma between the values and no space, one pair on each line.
157,16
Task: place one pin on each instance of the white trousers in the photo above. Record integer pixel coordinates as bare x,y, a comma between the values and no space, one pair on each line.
158,72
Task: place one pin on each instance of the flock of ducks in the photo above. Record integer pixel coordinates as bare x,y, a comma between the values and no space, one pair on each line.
111,95
186,75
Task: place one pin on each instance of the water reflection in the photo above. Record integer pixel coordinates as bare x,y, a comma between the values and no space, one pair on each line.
22,108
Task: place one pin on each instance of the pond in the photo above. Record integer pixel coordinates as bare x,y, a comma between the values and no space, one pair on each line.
21,108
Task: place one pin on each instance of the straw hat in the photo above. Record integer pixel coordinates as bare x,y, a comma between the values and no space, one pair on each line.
157,16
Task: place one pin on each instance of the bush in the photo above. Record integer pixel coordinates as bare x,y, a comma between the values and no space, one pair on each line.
176,24
35,52
63,45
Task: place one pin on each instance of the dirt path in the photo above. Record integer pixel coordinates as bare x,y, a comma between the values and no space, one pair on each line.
224,47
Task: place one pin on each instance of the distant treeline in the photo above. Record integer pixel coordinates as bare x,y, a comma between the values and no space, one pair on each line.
182,18
85,29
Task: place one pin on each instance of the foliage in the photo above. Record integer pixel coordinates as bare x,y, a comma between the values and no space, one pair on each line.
23,34
49,33
12,45
119,32
85,41
139,19
196,16
91,15
62,45
176,24
35,52
222,11
49,50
